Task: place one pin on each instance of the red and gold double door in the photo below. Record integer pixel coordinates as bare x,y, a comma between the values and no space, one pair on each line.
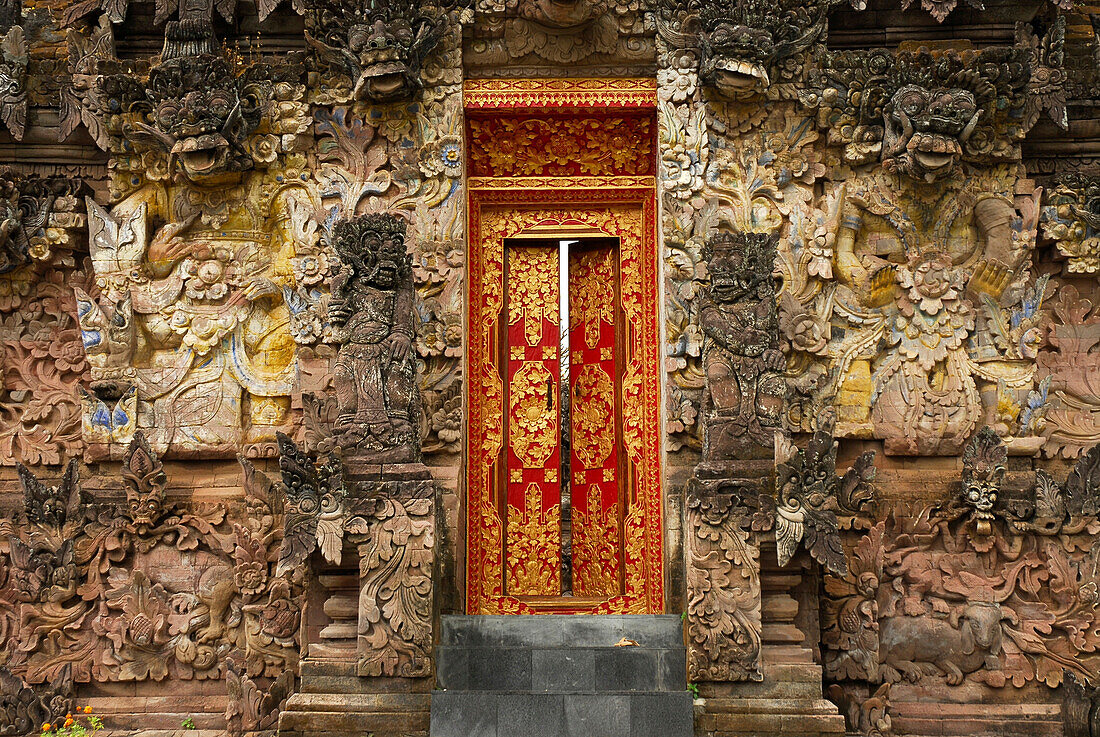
563,429
562,344
563,409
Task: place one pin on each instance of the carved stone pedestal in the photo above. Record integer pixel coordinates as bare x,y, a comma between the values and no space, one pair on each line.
746,652
370,670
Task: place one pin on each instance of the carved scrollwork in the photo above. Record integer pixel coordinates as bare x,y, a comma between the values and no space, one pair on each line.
811,497
314,504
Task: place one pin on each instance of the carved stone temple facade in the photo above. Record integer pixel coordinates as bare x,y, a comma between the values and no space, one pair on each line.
343,340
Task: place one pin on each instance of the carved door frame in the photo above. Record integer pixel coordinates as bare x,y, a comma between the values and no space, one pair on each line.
626,213
563,152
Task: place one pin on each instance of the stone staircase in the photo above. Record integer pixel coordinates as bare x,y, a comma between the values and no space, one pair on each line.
561,676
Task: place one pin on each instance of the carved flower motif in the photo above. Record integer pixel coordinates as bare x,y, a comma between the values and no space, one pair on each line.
443,156
202,332
1088,594
306,327
677,85
66,350
562,148
154,165
209,274
806,332
508,149
250,577
447,418
265,148
934,320
683,172
930,282
310,268
133,618
679,411
13,288
821,248
436,260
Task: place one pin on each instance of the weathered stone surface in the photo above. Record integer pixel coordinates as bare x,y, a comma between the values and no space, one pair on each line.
249,230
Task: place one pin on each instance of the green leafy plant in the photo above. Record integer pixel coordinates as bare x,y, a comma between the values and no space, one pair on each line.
80,723
694,688
188,723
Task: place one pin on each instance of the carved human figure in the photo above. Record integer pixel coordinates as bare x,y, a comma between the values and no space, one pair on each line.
925,244
744,392
193,266
372,310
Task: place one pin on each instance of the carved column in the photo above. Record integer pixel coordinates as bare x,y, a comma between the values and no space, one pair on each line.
395,531
723,580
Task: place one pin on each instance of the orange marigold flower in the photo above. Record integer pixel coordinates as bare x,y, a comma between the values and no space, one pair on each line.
87,710
46,726
68,716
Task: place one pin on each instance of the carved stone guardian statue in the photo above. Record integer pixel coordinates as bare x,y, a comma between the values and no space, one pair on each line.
372,311
743,398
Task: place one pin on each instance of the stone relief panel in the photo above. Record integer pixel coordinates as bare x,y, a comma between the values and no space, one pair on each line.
995,583
197,264
925,306
41,259
142,588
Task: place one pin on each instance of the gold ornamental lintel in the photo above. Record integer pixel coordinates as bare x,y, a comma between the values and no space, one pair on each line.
500,94
575,182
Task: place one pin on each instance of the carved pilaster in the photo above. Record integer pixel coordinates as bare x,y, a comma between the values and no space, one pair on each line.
722,517
396,574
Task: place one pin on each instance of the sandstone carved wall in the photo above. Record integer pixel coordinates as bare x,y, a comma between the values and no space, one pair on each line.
233,321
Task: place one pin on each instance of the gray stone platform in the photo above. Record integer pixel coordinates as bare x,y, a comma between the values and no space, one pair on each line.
561,676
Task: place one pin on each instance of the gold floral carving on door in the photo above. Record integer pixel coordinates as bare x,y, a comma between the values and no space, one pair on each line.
514,540
533,538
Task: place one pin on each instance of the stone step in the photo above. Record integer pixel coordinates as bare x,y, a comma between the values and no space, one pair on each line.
551,630
360,702
355,715
466,714
380,724
977,720
561,669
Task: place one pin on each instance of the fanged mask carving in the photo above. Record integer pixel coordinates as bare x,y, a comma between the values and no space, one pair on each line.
983,471
926,129
200,118
380,45
741,267
143,476
923,111
743,44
